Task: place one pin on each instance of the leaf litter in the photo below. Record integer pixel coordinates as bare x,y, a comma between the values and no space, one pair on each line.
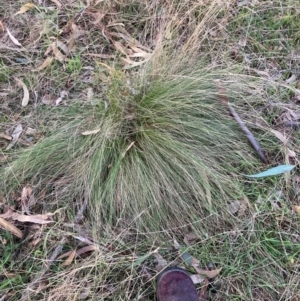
5,136
47,62
15,136
192,261
2,26
25,99
75,253
273,171
26,7
13,39
4,224
7,212
26,197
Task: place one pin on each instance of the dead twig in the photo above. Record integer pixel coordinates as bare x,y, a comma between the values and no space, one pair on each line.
250,136
292,124
247,132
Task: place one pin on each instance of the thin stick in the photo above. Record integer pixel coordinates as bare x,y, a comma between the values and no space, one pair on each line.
251,138
292,124
249,135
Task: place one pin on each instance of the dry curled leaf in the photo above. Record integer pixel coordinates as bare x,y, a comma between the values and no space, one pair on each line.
40,219
25,99
197,278
13,39
76,33
2,26
25,196
280,136
31,131
58,55
62,46
203,294
132,64
49,99
7,213
7,137
47,62
70,258
121,48
190,237
139,52
84,240
80,251
291,79
86,133
296,209
87,249
15,136
10,227
208,273
26,7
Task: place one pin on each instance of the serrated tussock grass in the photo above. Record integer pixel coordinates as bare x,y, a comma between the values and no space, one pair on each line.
167,153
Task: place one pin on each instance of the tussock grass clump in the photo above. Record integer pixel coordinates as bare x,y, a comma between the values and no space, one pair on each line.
166,153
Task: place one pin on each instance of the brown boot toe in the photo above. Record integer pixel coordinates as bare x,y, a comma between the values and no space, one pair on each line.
175,284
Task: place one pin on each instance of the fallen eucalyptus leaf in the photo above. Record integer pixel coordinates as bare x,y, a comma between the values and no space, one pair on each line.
7,213
208,273
26,194
291,79
45,64
273,171
13,39
15,136
2,26
70,258
40,219
10,227
49,99
25,99
80,251
26,7
7,137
